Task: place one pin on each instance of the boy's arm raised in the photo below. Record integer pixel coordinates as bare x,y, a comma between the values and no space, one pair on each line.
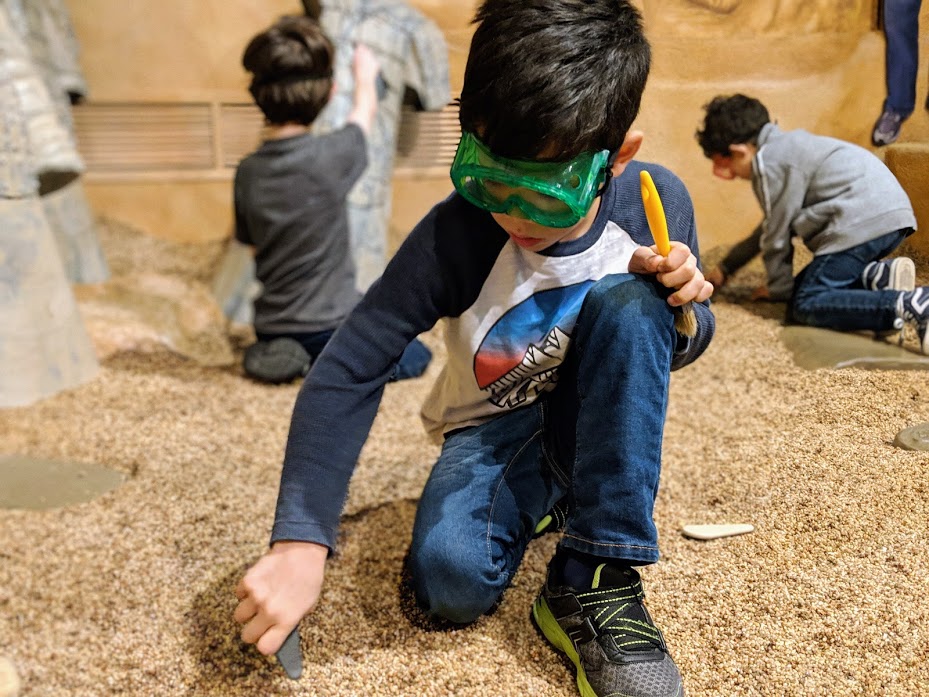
365,67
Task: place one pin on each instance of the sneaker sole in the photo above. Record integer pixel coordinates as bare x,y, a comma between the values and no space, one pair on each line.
552,631
902,277
902,274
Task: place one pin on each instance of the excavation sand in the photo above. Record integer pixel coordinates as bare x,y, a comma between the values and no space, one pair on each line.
131,593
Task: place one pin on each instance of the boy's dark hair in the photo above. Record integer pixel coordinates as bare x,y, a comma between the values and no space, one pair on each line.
731,120
555,76
291,66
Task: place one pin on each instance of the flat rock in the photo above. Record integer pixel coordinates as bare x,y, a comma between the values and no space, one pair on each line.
35,483
814,348
712,532
9,680
913,438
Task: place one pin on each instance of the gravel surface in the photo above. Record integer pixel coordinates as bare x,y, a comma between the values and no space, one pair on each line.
132,593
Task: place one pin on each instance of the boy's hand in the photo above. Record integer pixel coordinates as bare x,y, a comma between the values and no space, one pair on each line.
717,277
364,102
278,591
678,271
365,65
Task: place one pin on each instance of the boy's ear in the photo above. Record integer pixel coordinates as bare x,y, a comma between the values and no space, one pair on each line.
741,149
631,144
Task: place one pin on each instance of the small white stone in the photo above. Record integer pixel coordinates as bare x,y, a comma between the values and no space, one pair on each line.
712,532
9,680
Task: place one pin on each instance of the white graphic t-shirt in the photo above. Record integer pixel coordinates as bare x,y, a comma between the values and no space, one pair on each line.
505,350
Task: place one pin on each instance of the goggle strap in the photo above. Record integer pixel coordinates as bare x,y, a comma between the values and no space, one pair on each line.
609,171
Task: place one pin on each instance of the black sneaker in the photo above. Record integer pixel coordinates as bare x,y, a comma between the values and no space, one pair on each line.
277,361
555,519
609,636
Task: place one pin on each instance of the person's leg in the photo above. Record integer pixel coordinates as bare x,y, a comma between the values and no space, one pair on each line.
609,410
414,361
901,28
901,31
488,490
829,292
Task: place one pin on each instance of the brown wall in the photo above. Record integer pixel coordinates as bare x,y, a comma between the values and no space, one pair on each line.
818,64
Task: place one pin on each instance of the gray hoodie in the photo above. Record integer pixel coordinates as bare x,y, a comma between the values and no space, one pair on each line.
833,194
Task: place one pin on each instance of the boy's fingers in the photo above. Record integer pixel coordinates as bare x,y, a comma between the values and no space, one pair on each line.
273,639
707,291
645,260
240,591
679,255
255,629
696,289
245,611
681,275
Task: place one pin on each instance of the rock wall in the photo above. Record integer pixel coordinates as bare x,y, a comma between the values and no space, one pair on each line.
817,64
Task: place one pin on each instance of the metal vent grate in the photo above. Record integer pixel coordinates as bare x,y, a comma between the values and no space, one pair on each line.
427,139
144,137
241,126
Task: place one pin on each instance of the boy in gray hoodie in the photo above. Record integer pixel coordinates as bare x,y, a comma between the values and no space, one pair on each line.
840,200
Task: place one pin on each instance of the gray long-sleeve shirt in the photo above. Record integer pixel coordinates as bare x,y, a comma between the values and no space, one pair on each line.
833,194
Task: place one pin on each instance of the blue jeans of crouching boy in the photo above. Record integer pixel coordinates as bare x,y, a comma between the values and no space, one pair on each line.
596,438
828,292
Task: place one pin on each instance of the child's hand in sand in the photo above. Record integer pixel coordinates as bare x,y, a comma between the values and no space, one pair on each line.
278,591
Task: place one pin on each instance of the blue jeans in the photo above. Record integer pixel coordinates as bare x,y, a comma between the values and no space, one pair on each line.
595,438
901,29
829,293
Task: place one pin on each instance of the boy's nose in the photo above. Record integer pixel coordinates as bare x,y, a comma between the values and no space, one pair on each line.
722,171
516,212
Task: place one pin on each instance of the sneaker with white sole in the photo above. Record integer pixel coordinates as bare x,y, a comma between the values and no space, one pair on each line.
890,274
887,127
913,310
608,634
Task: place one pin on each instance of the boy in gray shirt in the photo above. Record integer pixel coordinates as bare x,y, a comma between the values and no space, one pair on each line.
842,202
290,200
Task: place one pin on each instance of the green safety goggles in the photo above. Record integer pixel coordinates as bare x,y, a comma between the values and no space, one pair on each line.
553,194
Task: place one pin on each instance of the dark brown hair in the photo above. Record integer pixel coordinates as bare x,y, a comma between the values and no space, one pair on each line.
565,76
291,67
731,120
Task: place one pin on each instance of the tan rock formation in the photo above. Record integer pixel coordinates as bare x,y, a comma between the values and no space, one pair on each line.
910,164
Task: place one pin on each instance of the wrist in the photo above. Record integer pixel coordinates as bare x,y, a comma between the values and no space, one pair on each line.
313,550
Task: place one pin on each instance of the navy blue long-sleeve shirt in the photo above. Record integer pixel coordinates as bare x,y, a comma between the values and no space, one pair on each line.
454,260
